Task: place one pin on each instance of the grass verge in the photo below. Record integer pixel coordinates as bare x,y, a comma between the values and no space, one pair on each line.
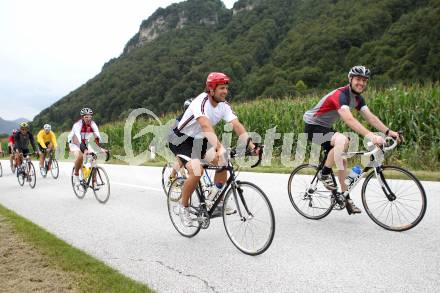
90,275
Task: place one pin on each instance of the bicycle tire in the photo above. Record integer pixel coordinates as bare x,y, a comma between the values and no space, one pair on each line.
80,190
401,202
32,175
306,201
248,221
173,201
54,169
100,179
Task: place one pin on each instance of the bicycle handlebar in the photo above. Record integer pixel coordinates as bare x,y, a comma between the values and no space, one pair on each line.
95,155
383,148
258,147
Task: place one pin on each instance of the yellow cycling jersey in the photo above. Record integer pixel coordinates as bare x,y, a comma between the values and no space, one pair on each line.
44,138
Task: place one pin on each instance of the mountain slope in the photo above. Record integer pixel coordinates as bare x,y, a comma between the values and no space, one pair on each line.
266,46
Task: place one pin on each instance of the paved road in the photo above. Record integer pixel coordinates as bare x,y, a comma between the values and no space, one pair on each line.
133,234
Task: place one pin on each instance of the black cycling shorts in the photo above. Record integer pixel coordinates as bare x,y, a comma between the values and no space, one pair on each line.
43,149
25,152
322,136
189,147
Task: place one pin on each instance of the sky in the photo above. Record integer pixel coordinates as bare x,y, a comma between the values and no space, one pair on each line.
48,48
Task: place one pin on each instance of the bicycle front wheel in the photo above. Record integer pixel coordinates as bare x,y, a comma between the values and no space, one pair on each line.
54,169
307,194
101,185
396,204
20,175
251,225
173,200
81,188
31,175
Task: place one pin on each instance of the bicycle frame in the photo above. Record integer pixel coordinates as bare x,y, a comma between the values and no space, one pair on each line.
92,171
376,166
231,183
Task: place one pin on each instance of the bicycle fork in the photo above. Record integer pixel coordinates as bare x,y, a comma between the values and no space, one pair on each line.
236,190
384,185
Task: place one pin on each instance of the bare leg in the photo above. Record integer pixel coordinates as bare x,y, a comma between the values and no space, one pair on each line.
78,162
42,157
191,181
340,143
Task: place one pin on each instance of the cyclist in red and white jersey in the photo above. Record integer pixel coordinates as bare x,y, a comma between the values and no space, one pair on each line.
338,104
78,139
11,149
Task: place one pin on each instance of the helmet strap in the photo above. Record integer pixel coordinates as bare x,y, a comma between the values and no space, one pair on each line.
351,88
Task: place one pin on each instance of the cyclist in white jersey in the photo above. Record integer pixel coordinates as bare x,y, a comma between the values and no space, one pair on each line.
195,138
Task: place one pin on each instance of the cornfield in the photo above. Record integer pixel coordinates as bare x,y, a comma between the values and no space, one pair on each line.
414,109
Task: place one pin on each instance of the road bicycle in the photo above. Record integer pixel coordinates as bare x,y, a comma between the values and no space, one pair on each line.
50,164
94,177
26,172
392,196
251,225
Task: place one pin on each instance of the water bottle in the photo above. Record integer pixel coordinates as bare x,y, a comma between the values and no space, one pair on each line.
86,168
353,175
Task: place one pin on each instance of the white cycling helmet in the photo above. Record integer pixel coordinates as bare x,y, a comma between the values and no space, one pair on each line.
47,127
86,111
359,70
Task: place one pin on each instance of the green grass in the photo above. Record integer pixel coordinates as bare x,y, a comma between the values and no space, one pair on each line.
90,275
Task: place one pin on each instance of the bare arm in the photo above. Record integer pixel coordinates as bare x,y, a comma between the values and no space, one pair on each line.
352,122
373,120
241,132
209,132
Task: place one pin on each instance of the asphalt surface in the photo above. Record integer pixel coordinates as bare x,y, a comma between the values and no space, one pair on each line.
133,234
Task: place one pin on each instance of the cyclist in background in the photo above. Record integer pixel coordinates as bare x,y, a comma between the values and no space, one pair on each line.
47,142
11,149
338,104
178,163
78,139
21,143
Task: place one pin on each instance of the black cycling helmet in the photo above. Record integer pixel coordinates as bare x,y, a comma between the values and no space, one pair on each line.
359,70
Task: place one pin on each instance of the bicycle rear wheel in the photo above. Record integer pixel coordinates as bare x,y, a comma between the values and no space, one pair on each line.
251,227
166,171
31,175
101,185
80,189
54,169
407,203
307,194
173,201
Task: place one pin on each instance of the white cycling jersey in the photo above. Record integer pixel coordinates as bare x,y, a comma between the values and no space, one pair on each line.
201,106
83,132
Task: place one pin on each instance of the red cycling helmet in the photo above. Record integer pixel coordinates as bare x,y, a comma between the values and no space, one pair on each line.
216,78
